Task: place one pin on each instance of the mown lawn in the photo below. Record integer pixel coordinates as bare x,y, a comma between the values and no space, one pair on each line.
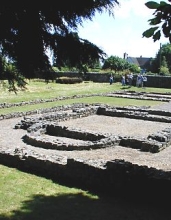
41,90
25,196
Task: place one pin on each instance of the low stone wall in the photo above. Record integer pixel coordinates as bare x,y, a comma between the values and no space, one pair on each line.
121,94
38,125
141,95
135,113
114,177
85,140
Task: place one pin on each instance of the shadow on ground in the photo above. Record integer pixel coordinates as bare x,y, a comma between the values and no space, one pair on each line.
81,207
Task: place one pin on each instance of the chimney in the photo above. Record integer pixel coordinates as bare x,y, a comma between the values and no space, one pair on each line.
125,56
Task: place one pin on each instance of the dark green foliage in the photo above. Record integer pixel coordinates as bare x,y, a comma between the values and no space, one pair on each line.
150,32
163,57
118,64
15,80
152,5
69,80
166,56
9,72
28,30
161,22
79,52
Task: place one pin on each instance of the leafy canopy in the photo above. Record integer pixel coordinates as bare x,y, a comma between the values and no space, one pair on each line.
118,64
29,30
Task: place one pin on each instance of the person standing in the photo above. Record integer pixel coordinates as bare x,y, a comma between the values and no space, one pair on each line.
111,80
123,80
139,80
130,78
144,81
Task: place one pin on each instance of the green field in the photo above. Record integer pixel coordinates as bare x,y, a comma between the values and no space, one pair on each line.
43,91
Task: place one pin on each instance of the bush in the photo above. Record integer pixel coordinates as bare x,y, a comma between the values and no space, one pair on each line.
69,80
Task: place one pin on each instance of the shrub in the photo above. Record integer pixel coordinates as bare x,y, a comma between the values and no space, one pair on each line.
69,80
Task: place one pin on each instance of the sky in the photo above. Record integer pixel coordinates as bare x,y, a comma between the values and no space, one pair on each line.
123,32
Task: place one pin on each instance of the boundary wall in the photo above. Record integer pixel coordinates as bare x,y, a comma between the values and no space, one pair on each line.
152,81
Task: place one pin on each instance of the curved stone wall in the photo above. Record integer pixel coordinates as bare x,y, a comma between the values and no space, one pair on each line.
38,126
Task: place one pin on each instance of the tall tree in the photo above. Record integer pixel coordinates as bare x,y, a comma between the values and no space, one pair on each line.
162,59
28,30
118,64
166,54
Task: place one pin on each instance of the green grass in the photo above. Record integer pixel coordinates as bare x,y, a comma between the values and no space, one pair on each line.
33,197
26,196
94,99
40,90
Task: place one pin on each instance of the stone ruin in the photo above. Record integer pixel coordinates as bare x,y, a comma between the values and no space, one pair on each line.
41,128
114,176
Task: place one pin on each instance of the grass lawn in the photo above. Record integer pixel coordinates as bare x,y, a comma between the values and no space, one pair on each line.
41,90
94,99
25,196
28,197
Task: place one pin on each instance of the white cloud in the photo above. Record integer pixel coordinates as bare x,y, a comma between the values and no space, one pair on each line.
129,8
123,33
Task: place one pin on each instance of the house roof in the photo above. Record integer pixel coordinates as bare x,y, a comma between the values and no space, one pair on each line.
132,60
140,61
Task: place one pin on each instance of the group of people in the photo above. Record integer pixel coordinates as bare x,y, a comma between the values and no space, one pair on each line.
127,79
141,80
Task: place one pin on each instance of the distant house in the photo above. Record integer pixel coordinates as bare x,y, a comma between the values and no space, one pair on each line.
142,62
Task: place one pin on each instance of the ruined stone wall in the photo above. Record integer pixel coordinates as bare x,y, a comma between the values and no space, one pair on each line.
117,177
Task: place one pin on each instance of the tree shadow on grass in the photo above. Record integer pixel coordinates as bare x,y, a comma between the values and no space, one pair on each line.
125,87
82,207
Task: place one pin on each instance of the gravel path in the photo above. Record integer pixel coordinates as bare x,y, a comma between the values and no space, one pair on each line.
165,106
